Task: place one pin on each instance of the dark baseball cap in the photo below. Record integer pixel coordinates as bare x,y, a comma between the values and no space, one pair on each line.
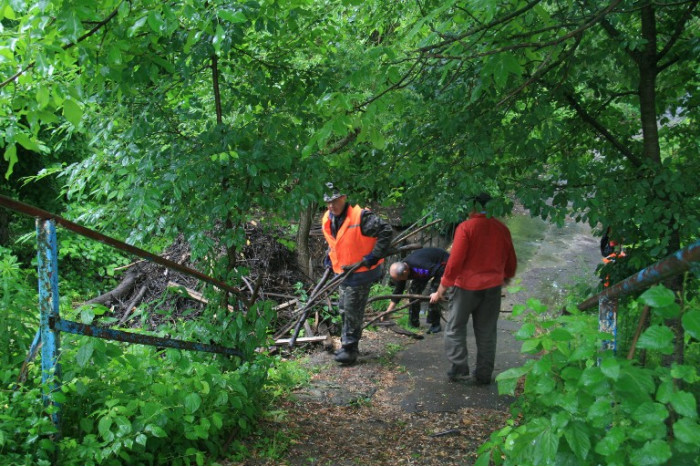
332,193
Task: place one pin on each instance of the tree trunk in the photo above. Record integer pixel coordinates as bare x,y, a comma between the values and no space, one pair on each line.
4,228
306,219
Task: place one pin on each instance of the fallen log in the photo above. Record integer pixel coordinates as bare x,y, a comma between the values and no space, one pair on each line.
124,287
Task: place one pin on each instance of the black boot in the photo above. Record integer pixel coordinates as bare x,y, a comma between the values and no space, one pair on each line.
434,320
347,354
414,319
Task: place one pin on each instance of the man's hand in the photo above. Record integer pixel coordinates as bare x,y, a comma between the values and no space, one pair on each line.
437,296
327,262
369,260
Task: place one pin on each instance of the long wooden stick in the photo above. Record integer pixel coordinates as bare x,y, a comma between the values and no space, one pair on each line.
337,280
389,313
640,328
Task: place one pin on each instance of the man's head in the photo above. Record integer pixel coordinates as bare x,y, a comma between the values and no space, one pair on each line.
334,199
399,271
481,200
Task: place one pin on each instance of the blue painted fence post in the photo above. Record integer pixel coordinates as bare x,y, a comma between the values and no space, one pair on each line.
48,308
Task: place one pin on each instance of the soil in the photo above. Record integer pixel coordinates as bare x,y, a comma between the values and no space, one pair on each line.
395,406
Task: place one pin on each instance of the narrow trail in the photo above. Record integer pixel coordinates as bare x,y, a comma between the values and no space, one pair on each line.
395,406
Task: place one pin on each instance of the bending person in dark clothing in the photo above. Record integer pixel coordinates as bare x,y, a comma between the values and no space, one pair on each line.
420,267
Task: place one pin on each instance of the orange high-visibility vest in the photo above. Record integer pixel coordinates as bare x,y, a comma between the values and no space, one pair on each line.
349,246
611,259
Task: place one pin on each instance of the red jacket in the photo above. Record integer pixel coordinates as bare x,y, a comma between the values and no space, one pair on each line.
482,255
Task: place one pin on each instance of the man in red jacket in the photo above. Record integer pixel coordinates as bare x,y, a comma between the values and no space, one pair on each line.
482,259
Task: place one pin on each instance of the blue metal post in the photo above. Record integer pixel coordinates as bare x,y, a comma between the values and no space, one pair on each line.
48,308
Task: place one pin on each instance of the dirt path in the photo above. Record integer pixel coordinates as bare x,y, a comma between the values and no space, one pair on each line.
395,406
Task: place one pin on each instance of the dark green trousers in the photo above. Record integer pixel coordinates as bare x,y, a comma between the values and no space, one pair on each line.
352,302
483,306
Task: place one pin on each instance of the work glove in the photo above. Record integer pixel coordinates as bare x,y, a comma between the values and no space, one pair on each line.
327,262
369,260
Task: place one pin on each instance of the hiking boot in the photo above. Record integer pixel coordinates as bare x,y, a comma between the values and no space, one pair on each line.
457,374
415,323
479,381
347,355
434,328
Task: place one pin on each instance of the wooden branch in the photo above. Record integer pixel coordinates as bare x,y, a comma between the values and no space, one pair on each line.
386,313
215,83
286,305
640,328
194,294
399,296
131,305
301,339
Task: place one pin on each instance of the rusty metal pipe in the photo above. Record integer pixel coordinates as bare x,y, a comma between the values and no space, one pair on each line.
85,232
670,266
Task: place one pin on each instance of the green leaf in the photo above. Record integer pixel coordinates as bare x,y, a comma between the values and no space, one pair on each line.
561,335
545,447
636,384
103,427
611,442
10,156
665,391
655,452
650,412
156,22
687,431
610,368
657,297
232,16
688,373
43,96
657,337
526,331
691,323
84,353
577,434
156,431
530,346
684,403
69,24
192,402
141,439
592,377
72,111
87,314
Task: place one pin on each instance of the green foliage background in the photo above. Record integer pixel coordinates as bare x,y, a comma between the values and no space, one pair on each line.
147,120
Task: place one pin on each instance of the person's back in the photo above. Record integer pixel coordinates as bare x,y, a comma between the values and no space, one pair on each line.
483,251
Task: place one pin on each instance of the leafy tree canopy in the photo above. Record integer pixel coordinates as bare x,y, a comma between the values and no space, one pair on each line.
197,113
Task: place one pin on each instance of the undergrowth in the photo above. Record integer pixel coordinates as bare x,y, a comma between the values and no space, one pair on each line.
584,406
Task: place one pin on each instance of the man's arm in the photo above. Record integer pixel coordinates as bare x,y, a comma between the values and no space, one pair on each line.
372,225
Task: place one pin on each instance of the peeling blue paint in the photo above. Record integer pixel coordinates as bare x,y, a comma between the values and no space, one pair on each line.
48,311
670,266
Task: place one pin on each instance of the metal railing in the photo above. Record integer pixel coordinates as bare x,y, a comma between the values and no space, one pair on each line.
50,322
606,300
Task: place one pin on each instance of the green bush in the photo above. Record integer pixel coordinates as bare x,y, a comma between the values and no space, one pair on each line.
581,406
140,405
19,319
